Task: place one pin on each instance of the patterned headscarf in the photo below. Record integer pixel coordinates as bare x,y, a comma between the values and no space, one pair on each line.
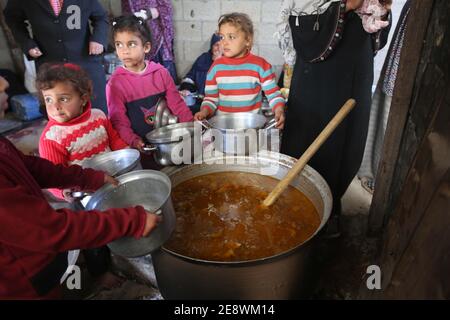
161,28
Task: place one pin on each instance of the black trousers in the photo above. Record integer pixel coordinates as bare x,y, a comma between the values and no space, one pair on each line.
317,92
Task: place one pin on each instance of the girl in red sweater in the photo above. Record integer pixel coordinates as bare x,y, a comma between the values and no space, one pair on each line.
74,133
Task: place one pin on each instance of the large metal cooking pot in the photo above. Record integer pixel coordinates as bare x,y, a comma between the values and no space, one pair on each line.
148,188
239,133
169,143
283,276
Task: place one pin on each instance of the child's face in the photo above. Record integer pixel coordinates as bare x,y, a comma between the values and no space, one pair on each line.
63,102
130,50
234,41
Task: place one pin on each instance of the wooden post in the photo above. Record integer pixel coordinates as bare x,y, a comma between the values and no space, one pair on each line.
382,202
414,259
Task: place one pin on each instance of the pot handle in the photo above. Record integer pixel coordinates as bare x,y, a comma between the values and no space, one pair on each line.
149,148
271,124
205,124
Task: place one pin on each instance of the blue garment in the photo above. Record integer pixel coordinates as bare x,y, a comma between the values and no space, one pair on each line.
199,70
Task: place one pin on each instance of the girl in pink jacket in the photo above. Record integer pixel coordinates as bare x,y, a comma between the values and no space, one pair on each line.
134,89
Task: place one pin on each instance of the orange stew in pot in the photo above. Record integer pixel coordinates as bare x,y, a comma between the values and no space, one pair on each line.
220,218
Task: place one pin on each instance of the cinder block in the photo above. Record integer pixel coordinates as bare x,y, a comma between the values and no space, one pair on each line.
183,68
265,34
270,11
192,49
201,10
208,29
271,54
112,6
255,49
178,49
277,69
188,30
252,8
177,10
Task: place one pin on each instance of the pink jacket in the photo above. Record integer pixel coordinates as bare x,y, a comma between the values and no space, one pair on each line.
132,97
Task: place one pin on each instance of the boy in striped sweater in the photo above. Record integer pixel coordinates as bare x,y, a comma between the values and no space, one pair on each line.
236,80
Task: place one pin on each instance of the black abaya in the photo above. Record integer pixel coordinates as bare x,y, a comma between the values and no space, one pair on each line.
317,92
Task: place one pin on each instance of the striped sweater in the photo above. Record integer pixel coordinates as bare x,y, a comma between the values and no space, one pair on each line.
236,85
79,139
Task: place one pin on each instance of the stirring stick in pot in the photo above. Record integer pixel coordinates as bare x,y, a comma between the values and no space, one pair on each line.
312,149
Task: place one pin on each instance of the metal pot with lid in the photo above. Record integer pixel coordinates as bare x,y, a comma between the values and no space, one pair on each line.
175,144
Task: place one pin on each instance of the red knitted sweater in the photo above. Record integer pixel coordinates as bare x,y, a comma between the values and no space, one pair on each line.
79,139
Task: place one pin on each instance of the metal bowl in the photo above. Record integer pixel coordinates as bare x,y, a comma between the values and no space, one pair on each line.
148,188
116,162
240,133
238,121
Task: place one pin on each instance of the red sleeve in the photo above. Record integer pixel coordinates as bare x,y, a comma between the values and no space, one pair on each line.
28,222
53,151
117,113
49,175
61,176
115,141
175,102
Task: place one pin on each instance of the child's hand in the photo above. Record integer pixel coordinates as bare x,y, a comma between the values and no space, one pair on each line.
185,93
151,223
138,144
111,180
279,118
95,48
202,114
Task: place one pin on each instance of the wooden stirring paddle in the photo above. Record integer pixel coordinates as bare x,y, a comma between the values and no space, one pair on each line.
312,149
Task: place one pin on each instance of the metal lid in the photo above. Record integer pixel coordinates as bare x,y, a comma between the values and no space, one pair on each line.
171,133
115,162
163,116
148,188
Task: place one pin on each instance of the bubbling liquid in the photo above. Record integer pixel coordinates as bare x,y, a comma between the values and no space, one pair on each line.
220,217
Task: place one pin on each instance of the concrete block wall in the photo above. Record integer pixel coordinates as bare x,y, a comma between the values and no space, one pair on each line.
196,20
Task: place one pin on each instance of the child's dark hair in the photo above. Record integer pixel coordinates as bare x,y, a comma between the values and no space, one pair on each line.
51,73
239,20
131,23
